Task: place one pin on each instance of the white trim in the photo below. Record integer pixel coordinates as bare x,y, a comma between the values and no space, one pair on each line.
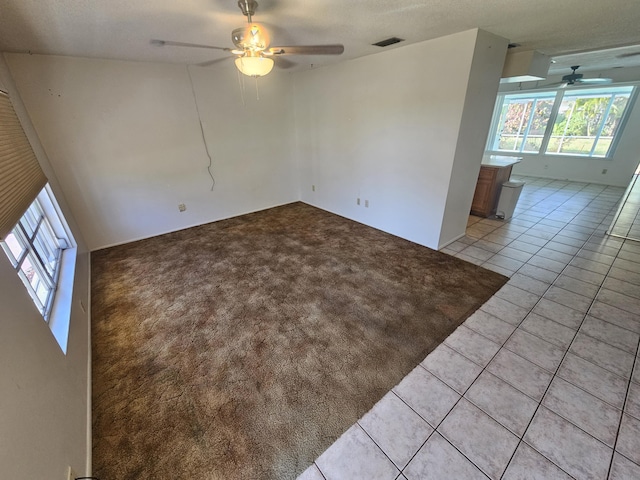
137,239
60,315
87,309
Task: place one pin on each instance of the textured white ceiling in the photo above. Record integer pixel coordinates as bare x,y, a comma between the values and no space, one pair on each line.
122,29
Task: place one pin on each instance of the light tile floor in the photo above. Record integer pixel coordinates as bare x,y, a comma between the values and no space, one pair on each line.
627,220
543,382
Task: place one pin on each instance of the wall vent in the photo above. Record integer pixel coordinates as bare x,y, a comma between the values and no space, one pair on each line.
388,41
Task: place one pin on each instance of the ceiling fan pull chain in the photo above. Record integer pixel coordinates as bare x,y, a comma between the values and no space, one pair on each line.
257,91
241,85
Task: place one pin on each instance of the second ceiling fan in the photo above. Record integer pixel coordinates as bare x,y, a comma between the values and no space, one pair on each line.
577,78
254,55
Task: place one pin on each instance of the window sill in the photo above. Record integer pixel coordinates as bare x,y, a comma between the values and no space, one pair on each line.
531,154
60,316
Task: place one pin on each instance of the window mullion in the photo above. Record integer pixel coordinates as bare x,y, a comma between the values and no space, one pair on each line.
602,124
551,122
36,253
23,237
526,131
35,230
42,271
33,294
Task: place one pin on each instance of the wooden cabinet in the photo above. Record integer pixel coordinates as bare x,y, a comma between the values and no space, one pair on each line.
490,180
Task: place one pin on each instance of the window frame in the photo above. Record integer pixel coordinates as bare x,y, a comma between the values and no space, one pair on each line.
26,236
33,254
559,94
59,315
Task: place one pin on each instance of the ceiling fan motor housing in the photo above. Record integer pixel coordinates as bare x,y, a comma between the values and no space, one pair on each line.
253,37
572,77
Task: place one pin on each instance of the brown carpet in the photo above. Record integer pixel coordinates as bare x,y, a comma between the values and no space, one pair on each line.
244,348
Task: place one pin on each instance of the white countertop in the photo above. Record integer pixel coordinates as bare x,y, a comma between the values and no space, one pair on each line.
499,161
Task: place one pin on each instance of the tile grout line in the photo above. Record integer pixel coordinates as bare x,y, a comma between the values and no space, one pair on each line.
624,404
601,202
554,375
539,404
483,368
575,214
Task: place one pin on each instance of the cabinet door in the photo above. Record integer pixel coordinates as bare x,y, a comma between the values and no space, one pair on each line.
483,196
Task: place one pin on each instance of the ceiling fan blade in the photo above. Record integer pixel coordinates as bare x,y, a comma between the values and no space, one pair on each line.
594,80
335,49
169,43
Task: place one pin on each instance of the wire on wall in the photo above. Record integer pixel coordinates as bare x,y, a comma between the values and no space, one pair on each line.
204,139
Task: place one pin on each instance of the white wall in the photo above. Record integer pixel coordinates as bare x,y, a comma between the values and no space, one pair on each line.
125,142
486,67
399,129
385,128
44,393
619,168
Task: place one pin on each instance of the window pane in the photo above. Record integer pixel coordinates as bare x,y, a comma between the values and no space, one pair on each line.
541,113
31,218
522,123
586,117
611,124
514,121
35,251
46,244
15,246
38,283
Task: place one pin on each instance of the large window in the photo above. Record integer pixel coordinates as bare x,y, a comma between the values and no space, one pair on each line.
35,251
582,122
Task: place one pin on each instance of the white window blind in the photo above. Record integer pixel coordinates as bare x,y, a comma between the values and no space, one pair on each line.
21,177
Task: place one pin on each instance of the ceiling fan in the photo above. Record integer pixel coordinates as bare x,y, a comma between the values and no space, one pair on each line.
254,55
577,78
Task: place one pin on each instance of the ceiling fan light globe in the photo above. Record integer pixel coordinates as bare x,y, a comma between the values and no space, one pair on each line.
252,37
254,66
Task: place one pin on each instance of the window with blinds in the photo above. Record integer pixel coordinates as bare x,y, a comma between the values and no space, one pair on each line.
21,178
33,234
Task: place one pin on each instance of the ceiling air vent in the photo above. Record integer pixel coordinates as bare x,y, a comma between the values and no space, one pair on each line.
388,41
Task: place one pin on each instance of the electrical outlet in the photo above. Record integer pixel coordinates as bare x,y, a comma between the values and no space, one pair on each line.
366,203
358,201
71,475
182,207
313,188
604,171
546,167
